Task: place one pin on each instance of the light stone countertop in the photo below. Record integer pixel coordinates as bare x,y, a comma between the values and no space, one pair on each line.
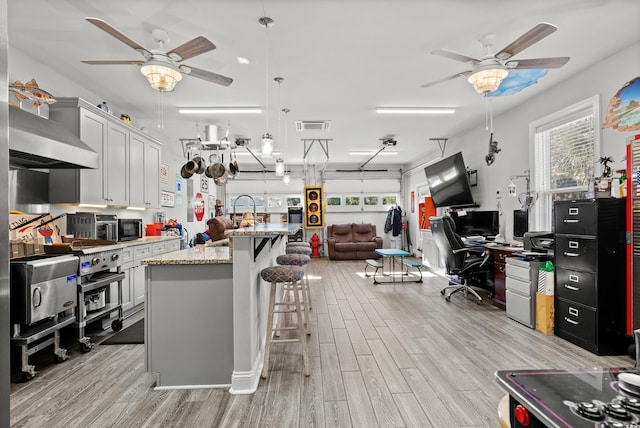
198,255
265,229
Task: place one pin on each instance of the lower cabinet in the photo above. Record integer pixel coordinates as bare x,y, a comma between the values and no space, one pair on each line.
430,253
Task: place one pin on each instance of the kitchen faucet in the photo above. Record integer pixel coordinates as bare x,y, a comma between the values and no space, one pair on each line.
235,221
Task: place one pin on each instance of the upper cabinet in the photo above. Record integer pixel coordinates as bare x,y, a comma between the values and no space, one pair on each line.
129,170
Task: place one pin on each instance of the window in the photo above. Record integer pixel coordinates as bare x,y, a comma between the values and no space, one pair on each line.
564,151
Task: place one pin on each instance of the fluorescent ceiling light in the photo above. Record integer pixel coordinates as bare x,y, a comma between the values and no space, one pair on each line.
371,152
415,110
219,110
136,208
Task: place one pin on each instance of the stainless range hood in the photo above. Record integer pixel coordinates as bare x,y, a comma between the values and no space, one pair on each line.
36,142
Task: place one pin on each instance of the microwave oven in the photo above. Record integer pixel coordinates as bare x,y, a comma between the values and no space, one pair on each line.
129,229
93,226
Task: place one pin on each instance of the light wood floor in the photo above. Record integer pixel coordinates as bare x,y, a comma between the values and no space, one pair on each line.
386,355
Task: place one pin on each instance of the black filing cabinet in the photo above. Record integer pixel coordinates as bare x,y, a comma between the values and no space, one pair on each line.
590,302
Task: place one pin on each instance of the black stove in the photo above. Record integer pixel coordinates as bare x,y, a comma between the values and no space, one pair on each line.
594,398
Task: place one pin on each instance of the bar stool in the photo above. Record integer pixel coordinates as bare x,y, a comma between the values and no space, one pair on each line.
298,260
288,276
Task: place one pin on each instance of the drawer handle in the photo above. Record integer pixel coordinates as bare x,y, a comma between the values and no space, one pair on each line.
570,220
571,287
570,254
569,320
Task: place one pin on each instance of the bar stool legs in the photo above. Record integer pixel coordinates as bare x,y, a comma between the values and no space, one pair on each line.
286,275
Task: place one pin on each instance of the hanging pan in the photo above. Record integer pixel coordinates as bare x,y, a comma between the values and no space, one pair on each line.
216,169
232,168
221,181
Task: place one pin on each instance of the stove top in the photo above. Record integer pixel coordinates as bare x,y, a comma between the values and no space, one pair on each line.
577,397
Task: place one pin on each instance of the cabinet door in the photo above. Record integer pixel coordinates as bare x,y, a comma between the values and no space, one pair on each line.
93,131
136,171
117,171
152,158
138,284
127,286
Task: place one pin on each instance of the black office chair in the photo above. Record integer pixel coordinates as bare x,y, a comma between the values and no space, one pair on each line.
466,266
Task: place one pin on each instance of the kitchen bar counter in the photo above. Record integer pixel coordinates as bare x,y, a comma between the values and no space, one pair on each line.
206,310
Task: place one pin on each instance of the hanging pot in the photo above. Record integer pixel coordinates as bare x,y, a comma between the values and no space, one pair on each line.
199,163
232,168
222,180
185,171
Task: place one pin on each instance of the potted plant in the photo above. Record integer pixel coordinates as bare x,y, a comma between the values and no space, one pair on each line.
603,183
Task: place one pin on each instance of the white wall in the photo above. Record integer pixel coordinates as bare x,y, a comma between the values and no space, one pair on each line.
511,130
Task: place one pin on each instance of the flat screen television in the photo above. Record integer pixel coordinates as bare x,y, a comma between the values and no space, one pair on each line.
449,183
473,223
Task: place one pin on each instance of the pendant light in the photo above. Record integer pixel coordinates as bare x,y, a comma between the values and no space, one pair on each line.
286,177
267,138
279,161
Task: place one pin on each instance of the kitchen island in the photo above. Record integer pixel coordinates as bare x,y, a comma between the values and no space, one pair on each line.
206,310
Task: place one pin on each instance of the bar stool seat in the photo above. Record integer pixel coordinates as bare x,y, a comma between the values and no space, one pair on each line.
288,276
298,250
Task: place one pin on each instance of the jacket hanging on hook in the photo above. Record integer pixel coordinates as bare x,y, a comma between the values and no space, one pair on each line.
394,221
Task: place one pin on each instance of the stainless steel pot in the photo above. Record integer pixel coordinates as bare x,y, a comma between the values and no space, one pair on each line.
221,181
200,164
96,300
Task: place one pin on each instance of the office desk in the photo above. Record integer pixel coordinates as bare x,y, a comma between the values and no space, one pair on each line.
499,253
392,254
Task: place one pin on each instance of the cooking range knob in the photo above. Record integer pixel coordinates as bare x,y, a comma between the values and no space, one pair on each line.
617,411
590,411
631,404
115,257
95,261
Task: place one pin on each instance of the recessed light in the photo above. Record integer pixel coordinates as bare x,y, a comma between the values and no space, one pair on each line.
219,110
415,110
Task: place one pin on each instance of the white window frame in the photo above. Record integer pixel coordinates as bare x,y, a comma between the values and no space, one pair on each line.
542,210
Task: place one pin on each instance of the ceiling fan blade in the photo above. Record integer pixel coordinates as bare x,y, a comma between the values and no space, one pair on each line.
444,79
455,56
206,75
109,61
192,48
538,63
112,31
532,36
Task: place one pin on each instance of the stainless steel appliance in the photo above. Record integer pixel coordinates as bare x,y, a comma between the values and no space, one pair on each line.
93,226
129,229
43,295
99,269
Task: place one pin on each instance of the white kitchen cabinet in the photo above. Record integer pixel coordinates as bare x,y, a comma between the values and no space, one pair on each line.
129,169
430,253
144,171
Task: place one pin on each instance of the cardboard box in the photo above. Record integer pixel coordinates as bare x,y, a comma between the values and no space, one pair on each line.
33,228
544,313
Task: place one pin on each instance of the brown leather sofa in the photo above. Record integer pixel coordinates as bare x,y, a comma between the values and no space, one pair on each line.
355,241
217,226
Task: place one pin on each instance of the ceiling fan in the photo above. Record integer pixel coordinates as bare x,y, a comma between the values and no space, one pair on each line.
488,72
163,68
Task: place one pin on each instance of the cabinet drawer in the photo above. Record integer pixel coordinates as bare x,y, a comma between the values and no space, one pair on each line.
576,320
520,308
576,286
518,272
142,252
518,286
159,248
126,254
577,218
173,245
500,256
576,252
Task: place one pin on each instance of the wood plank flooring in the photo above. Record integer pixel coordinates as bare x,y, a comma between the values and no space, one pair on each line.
386,356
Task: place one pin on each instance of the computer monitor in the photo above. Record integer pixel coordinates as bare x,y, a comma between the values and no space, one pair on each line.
472,223
520,224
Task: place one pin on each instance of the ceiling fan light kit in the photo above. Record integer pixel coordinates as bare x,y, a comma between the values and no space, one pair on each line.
487,79
160,77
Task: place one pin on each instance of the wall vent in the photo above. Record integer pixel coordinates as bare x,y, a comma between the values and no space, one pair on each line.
312,125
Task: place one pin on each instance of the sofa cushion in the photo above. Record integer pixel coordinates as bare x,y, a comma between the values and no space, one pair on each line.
346,246
342,233
363,232
366,246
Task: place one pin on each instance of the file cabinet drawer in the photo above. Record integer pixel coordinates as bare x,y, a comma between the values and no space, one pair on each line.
517,272
576,286
520,308
576,320
517,286
577,218
576,252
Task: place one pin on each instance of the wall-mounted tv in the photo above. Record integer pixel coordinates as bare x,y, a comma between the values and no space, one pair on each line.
448,182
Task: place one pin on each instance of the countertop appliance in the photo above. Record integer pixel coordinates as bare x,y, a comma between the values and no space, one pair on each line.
598,397
129,229
541,242
43,295
93,226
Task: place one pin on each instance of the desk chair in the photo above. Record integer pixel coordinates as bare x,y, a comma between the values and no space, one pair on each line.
466,266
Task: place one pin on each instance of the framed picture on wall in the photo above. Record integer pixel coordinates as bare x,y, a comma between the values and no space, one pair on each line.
167,199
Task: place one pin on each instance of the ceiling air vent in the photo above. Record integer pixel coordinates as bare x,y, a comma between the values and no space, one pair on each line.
312,125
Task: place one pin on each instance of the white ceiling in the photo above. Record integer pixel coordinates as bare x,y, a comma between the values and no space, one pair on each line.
339,58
